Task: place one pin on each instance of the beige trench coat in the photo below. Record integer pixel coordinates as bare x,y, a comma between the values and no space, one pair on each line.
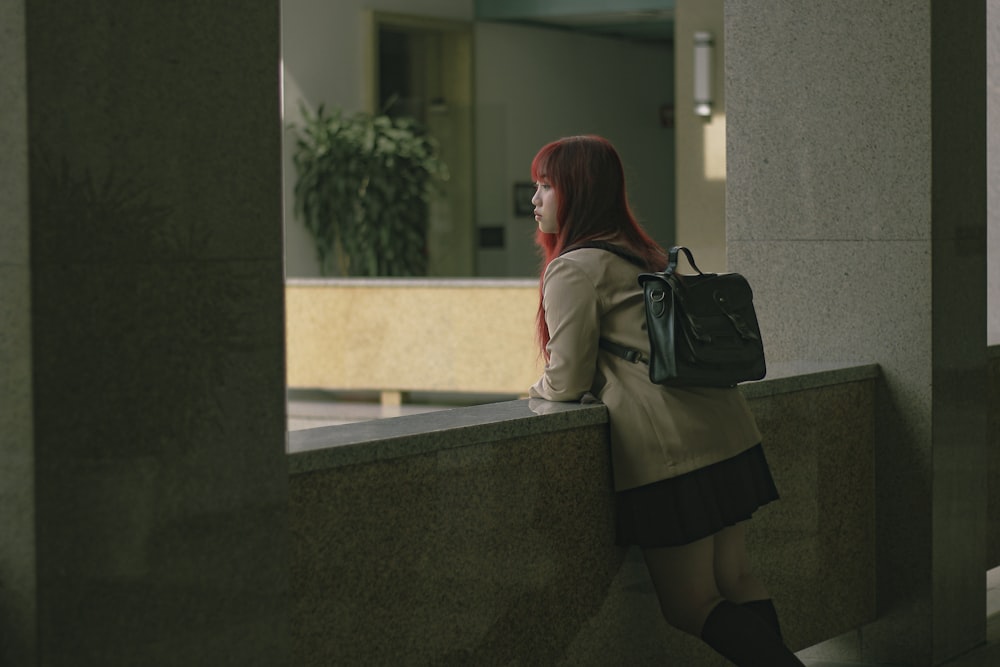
656,432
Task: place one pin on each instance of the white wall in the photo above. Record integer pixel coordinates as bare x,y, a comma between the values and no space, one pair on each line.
701,175
534,85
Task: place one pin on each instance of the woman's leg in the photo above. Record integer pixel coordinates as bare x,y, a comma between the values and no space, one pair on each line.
742,636
736,581
685,582
732,567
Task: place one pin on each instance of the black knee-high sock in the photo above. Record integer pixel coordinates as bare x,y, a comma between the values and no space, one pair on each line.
742,636
765,609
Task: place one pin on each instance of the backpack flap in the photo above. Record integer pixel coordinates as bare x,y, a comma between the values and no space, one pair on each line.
719,325
703,329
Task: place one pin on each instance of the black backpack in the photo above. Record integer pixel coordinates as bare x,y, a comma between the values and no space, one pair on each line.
702,328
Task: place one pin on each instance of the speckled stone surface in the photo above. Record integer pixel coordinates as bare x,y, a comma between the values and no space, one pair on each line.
993,167
383,439
154,465
465,556
816,546
18,581
349,444
855,188
993,485
484,535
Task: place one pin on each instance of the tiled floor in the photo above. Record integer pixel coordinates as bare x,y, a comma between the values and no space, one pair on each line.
316,409
987,655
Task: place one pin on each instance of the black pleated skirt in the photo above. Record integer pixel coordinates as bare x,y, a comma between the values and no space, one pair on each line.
692,506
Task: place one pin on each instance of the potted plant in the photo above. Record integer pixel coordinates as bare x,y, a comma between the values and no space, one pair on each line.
364,183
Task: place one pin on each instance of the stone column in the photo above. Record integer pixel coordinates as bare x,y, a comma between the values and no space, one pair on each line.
142,471
18,601
856,204
993,168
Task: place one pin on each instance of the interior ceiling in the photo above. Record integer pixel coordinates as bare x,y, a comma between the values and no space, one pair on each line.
645,26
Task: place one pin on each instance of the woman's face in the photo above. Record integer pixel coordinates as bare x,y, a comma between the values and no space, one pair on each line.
546,203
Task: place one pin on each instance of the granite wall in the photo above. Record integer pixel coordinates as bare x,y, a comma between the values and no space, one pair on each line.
993,486
142,470
993,168
856,206
18,602
485,535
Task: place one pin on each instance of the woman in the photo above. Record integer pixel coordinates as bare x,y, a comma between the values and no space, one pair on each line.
688,467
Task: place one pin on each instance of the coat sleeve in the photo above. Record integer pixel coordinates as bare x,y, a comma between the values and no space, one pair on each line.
571,312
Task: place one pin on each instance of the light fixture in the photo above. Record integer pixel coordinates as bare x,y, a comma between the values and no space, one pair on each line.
703,74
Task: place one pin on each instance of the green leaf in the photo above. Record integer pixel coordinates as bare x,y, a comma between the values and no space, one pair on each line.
362,187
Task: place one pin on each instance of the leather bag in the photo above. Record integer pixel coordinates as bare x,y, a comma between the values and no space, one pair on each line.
702,328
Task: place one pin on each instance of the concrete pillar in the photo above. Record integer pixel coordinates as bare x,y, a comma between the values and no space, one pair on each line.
143,486
856,204
18,600
993,168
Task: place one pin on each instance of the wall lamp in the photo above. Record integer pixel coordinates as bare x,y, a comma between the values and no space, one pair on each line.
703,74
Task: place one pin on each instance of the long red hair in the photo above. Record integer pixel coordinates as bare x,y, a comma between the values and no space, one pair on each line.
588,178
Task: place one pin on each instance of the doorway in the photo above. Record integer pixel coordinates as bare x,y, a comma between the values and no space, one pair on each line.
422,68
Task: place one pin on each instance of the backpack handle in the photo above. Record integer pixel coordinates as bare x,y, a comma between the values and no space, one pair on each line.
673,256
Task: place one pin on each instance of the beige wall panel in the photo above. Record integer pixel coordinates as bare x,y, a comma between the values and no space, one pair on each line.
412,336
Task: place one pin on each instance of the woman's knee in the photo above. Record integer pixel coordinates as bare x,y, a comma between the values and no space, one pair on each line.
685,585
733,574
740,587
688,615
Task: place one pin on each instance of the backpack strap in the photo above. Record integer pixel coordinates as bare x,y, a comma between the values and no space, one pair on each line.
609,247
626,353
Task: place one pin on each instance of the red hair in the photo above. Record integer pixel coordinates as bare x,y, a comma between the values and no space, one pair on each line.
587,176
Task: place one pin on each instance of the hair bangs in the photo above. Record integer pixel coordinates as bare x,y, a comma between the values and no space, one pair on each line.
540,165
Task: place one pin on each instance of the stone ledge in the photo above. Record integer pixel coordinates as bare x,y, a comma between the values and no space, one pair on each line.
799,375
383,439
413,282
